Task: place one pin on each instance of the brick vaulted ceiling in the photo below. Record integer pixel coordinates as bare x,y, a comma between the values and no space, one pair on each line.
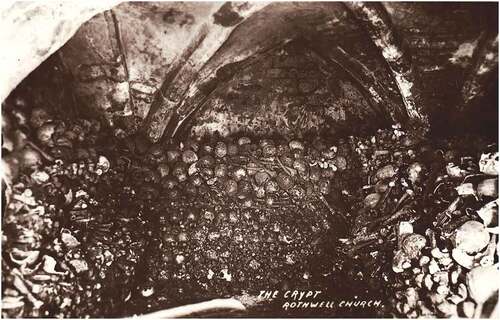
163,69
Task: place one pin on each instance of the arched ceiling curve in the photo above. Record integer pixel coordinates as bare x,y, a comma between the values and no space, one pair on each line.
164,68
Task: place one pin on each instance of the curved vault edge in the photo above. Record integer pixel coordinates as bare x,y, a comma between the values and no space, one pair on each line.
35,30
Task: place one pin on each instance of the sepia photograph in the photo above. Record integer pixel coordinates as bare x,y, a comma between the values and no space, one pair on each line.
250,159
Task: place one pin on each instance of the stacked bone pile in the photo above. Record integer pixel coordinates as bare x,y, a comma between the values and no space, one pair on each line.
242,214
95,222
434,213
100,225
451,268
60,231
394,174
